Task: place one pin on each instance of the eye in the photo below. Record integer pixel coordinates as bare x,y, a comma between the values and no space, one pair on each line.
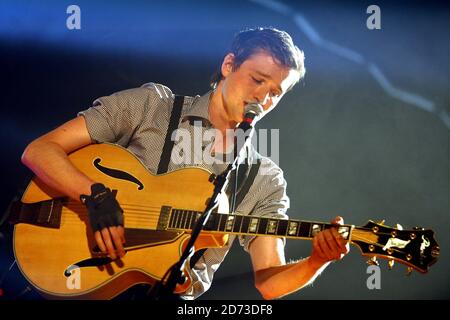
274,94
257,81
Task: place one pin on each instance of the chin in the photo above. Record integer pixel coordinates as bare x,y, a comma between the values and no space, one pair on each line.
239,119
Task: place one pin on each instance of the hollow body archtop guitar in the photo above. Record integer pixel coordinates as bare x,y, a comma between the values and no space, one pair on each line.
56,251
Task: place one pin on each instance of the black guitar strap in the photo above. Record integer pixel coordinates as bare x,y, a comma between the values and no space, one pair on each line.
173,125
247,172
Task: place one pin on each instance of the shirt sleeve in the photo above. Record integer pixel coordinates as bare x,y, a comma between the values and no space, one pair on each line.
115,118
266,197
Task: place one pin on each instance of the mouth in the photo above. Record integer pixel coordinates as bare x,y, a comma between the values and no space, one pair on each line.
245,104
243,108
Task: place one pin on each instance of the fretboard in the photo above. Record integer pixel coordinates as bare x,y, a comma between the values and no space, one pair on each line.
250,225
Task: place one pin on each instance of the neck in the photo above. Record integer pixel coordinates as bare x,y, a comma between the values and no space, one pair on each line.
217,112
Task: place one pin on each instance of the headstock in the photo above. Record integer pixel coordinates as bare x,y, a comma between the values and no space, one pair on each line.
416,248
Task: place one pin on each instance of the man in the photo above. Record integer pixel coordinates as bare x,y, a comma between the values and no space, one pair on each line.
261,67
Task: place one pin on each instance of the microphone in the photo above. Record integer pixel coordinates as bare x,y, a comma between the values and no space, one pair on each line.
252,114
244,130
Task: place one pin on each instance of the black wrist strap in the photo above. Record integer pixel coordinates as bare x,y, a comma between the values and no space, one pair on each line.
97,189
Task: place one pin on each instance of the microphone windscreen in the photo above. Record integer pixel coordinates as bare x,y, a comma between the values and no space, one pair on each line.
254,108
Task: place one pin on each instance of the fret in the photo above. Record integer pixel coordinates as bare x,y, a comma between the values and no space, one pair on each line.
315,229
193,220
230,223
303,231
207,225
245,224
344,231
272,226
262,228
175,218
189,220
237,223
254,224
219,220
179,217
172,219
183,218
198,216
223,222
292,228
211,223
180,223
282,227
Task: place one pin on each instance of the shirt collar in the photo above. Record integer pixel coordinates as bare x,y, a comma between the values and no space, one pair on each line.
199,108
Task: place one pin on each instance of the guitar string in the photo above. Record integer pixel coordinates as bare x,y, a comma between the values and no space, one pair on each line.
374,243
140,209
354,237
145,214
130,205
153,216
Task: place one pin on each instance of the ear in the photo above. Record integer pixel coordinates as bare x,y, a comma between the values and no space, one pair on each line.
227,65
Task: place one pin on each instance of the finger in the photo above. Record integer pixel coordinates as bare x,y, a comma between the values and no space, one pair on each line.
99,240
317,249
322,242
117,240
338,221
340,242
333,245
109,246
343,244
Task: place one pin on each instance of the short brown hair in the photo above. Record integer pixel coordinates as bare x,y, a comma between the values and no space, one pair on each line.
271,40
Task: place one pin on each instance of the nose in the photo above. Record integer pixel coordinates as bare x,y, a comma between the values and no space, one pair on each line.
263,97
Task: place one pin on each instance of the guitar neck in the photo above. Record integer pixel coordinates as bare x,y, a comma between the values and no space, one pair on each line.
249,225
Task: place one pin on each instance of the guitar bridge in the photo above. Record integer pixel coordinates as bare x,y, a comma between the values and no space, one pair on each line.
45,213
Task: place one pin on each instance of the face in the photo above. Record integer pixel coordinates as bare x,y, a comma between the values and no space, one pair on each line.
260,79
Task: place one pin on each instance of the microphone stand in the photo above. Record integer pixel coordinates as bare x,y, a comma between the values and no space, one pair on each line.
163,291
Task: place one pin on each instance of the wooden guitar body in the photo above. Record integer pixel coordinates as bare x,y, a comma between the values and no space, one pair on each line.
45,255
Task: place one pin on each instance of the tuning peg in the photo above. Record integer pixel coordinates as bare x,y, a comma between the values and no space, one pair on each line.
373,261
390,264
409,270
398,226
381,222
